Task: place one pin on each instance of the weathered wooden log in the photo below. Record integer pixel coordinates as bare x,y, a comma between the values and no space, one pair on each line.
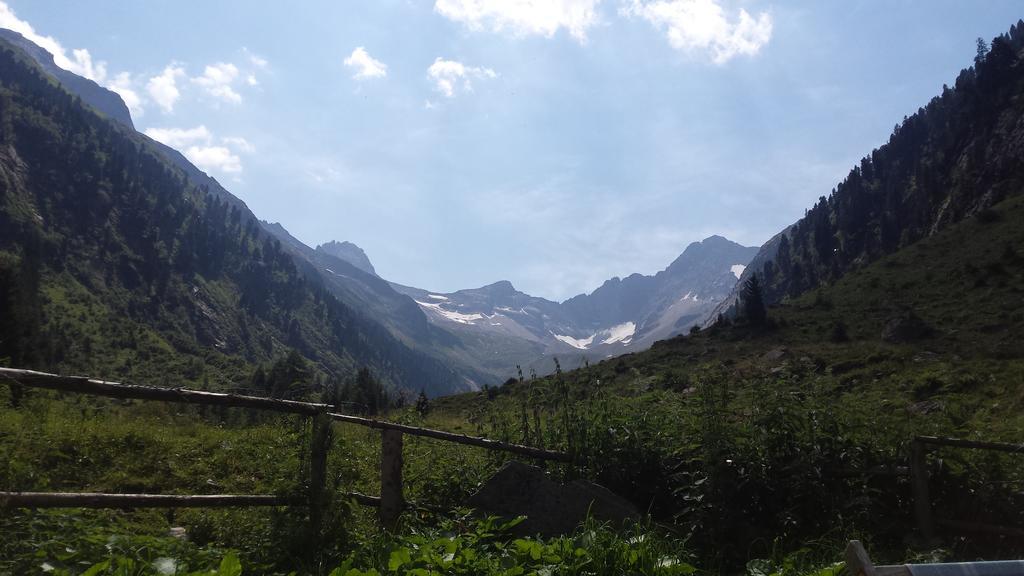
98,500
86,385
457,438
961,443
363,499
982,528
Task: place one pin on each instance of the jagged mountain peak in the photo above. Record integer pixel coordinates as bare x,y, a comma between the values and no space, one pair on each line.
711,257
274,226
499,286
350,253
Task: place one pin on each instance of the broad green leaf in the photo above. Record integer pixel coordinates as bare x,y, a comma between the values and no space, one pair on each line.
230,566
97,568
399,558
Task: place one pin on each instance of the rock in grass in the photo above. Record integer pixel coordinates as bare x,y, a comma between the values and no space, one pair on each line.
904,327
551,508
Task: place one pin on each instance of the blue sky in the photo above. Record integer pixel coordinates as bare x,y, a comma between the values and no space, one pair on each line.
553,143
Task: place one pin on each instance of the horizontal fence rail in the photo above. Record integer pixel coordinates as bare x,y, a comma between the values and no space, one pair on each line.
95,387
98,500
92,386
101,500
977,444
487,443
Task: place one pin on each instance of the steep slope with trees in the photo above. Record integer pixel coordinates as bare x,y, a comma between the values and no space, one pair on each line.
113,261
953,158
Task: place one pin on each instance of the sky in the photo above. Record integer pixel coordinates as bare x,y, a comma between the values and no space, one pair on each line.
552,143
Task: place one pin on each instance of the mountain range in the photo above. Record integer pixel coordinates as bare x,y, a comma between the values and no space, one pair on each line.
622,315
492,332
439,342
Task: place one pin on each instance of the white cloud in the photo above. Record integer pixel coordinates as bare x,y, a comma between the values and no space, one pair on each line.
256,64
214,158
80,61
256,60
523,17
181,137
199,146
450,76
163,88
365,66
239,143
217,80
125,87
702,26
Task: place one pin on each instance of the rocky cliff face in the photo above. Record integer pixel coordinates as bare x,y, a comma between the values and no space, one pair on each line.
350,253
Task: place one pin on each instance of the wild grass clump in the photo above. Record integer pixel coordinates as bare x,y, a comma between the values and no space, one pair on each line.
469,545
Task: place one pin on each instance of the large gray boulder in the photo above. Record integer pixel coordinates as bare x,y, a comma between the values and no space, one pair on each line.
903,327
551,508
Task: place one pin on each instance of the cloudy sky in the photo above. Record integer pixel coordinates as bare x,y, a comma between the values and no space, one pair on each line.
553,143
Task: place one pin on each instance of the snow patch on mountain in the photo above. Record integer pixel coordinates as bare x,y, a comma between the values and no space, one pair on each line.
453,316
737,270
581,344
436,297
620,333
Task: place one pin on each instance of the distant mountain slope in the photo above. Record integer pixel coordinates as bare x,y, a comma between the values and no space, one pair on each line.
671,301
620,316
954,158
114,261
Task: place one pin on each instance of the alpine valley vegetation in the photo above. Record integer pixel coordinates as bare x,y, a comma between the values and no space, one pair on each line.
757,404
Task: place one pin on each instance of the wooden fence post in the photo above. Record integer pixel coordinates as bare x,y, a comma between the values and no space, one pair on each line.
857,561
319,446
919,485
391,502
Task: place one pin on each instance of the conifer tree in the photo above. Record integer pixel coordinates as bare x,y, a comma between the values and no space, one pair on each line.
422,404
979,57
753,302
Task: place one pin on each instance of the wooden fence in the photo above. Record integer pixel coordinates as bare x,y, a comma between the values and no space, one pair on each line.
390,503
919,485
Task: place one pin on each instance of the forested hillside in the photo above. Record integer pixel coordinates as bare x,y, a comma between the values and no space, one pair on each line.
113,262
957,156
